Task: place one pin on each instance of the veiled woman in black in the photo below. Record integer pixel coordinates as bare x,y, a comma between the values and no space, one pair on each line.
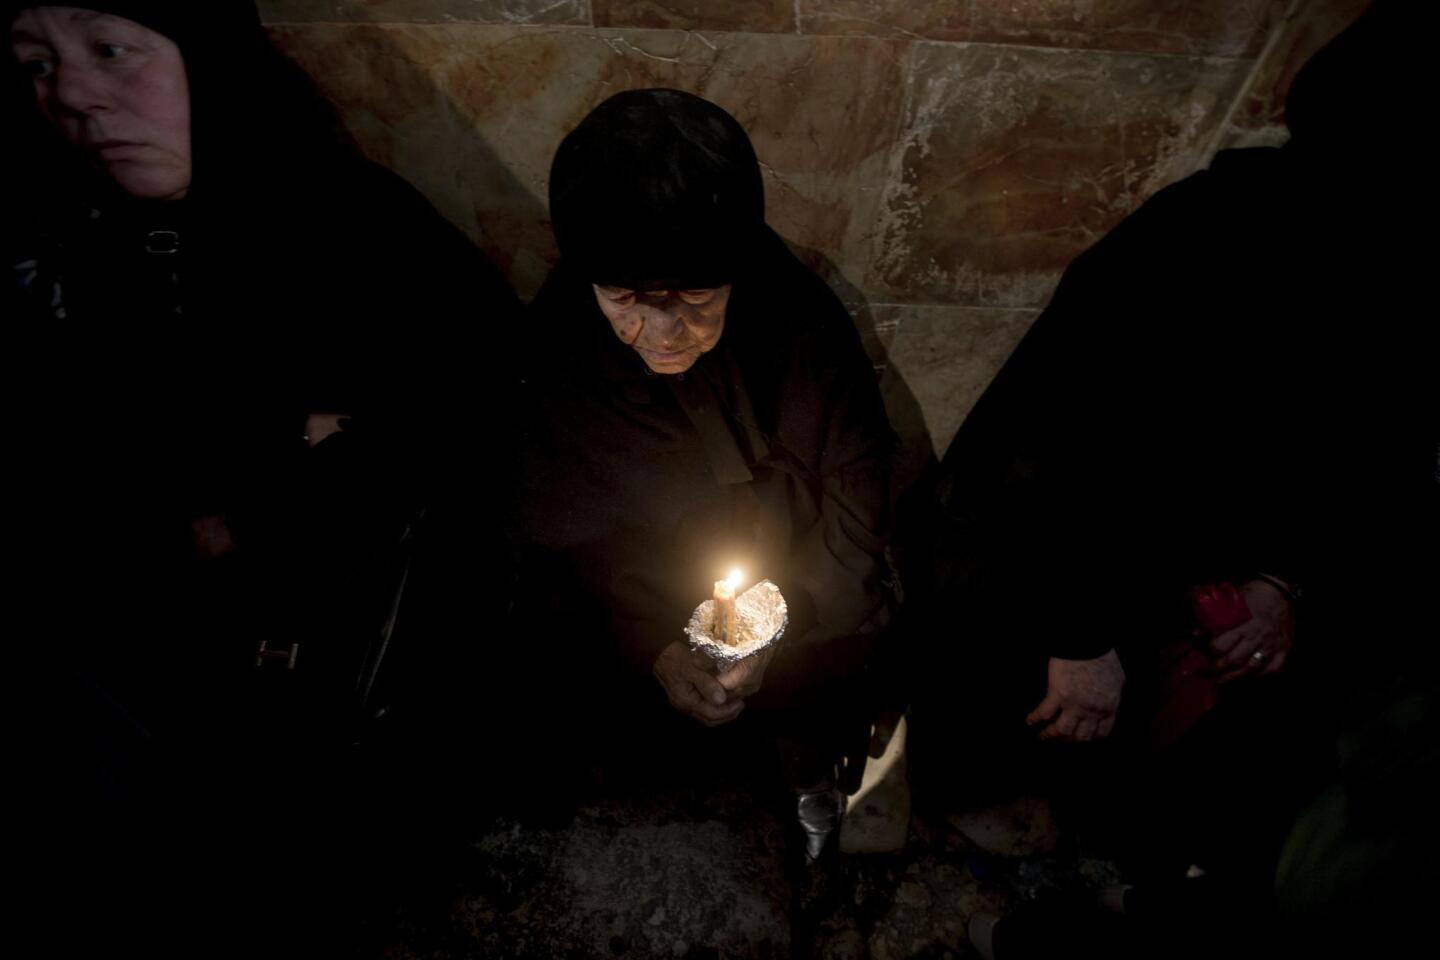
698,400
202,281
207,279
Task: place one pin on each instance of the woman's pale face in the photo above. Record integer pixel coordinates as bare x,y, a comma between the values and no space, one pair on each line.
114,89
670,329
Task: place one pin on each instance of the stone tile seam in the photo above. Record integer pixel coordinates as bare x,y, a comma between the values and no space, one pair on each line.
898,148
1227,122
855,37
935,305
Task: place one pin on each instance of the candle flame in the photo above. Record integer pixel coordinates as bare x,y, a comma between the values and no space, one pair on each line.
734,579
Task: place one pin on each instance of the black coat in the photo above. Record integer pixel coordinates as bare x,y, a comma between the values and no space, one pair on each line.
637,491
1239,378
1225,385
164,355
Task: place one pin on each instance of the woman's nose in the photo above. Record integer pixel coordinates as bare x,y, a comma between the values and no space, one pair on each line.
666,326
79,89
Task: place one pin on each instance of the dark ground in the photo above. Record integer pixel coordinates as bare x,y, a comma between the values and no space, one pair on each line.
704,867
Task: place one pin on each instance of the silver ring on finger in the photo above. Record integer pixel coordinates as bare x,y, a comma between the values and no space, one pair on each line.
1259,656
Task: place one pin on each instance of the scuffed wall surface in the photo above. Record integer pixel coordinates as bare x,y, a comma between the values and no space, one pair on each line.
940,163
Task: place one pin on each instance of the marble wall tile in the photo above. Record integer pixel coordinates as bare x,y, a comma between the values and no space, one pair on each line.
939,360
480,110
940,187
754,16
877,332
384,81
935,20
1232,28
425,11
1259,117
1011,161
1209,28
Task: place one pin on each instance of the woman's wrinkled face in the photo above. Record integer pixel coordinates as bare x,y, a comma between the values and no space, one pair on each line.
114,89
668,328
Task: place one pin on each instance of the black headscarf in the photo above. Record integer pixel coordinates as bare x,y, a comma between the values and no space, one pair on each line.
178,21
657,189
1355,102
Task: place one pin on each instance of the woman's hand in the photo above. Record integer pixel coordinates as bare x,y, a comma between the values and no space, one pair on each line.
1259,646
319,426
691,687
743,680
1081,699
210,536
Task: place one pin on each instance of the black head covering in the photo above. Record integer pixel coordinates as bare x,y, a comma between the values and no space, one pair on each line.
178,21
1358,100
657,189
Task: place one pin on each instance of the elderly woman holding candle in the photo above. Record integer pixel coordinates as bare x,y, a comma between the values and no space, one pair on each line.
699,401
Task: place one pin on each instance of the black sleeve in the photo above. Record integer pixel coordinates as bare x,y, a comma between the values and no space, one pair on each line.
1103,464
436,326
831,416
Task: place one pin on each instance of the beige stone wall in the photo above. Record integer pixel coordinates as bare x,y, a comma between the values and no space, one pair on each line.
940,162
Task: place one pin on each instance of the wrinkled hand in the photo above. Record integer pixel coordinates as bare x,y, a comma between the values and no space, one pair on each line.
210,537
692,689
1259,646
744,679
319,426
1081,699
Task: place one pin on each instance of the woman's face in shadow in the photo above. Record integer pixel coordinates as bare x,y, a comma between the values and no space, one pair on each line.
670,329
114,89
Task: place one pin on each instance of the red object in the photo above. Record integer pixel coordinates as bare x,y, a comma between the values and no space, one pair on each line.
1188,689
1219,607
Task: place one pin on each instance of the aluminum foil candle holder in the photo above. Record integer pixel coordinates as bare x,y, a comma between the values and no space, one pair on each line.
761,617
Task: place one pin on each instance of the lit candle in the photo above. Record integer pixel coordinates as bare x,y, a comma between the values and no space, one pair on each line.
726,631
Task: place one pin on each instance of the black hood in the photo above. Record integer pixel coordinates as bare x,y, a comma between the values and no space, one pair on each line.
180,21
1358,101
657,189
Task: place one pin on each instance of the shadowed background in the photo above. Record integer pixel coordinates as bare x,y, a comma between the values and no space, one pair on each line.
939,162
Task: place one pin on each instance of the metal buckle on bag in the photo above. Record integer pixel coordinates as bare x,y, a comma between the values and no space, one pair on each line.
162,241
264,655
